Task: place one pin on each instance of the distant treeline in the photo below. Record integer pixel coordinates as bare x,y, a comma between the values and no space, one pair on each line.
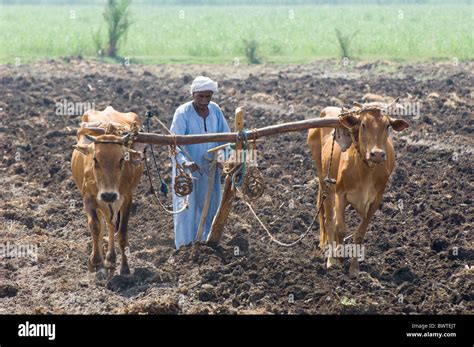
239,2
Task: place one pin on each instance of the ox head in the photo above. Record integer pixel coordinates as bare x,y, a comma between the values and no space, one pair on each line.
110,158
370,127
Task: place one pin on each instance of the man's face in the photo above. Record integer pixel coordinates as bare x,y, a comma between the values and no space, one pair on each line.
202,99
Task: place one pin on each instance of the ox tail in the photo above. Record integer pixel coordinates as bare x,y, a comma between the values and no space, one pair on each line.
315,145
323,236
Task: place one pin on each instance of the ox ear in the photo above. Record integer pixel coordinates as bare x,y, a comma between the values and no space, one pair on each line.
349,121
84,148
398,124
137,153
343,138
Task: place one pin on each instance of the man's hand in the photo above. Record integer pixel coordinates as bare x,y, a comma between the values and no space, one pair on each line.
190,165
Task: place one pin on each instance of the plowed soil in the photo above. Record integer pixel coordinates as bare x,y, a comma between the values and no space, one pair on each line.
419,251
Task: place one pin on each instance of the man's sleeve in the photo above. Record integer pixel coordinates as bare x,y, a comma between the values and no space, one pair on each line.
178,127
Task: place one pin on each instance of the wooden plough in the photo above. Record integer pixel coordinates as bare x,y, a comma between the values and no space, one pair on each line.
238,137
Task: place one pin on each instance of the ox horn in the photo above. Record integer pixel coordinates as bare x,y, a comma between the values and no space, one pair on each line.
126,138
99,131
91,138
394,105
358,104
394,102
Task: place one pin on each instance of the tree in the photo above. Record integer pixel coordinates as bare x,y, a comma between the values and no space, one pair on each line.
117,17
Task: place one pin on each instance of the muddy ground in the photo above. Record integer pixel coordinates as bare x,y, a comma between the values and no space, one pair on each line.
419,251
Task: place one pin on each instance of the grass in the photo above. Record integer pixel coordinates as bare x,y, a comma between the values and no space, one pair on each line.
206,34
251,52
116,16
348,302
345,43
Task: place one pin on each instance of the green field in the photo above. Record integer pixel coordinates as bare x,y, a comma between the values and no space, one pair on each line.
206,34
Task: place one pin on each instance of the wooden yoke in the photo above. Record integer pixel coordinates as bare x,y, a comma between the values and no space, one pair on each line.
228,194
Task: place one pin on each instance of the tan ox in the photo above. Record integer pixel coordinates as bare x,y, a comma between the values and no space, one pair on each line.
363,161
107,171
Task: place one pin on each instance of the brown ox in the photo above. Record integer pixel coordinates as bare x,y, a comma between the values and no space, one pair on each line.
106,172
362,163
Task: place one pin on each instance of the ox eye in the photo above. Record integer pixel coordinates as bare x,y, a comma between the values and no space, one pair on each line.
95,160
363,125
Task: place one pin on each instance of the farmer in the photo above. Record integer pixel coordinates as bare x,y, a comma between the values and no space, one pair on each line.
198,116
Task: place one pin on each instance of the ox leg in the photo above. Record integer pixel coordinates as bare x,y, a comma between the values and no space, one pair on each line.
341,226
123,236
329,222
96,261
359,236
110,257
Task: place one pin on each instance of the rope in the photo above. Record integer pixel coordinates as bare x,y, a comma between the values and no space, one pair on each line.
152,189
239,174
327,181
164,187
175,141
272,238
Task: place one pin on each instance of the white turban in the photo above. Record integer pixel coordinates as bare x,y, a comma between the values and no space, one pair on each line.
202,83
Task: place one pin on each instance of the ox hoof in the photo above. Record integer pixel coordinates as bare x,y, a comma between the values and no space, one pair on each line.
333,262
110,260
109,265
354,270
354,274
94,265
124,269
101,275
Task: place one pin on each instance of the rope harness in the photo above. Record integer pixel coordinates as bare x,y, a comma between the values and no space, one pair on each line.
181,189
257,178
250,179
